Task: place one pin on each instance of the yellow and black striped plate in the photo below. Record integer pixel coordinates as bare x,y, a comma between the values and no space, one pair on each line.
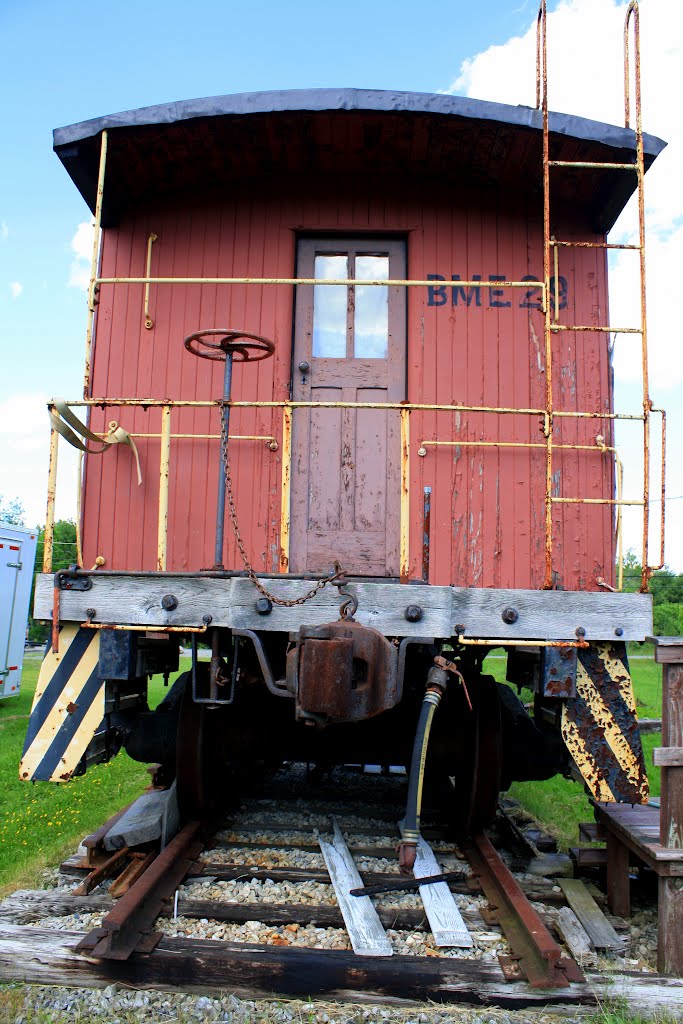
600,726
68,707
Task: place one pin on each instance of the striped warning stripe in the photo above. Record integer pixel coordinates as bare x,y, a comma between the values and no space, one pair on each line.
68,707
600,727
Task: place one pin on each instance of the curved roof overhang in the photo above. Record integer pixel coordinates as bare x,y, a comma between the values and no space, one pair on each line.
205,142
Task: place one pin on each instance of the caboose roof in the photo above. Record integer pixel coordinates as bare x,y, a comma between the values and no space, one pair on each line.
204,142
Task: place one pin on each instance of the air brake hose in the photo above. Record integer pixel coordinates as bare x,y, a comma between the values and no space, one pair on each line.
437,681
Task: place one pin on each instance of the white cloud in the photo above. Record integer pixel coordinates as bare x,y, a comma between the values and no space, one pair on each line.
81,246
24,447
585,77
16,289
4,230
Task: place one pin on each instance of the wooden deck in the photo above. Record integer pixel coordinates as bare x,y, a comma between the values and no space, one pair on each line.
650,835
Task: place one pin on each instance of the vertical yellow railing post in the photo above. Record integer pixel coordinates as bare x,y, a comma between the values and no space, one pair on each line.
79,509
164,462
286,487
87,375
151,239
542,96
404,558
48,542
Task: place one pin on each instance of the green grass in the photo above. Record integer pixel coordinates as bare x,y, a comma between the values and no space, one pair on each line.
41,822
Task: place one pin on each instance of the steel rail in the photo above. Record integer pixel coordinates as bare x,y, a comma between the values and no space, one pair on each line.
127,927
537,954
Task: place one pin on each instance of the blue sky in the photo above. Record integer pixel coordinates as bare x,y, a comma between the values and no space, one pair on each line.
67,62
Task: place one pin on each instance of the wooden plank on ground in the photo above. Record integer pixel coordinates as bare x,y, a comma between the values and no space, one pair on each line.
249,972
601,932
445,921
576,937
360,917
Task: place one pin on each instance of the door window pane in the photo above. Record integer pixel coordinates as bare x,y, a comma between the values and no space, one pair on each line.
329,308
371,315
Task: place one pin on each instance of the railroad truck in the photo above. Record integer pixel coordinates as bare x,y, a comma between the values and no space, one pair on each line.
348,421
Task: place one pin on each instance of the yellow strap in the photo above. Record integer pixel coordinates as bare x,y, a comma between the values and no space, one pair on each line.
116,434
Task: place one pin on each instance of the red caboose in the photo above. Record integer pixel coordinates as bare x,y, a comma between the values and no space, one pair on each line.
358,342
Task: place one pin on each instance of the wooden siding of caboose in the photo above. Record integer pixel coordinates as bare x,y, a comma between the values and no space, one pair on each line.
487,504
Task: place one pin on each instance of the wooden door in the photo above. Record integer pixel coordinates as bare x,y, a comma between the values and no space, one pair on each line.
349,346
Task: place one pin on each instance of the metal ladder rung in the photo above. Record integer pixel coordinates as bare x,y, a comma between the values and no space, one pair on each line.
557,243
589,164
590,327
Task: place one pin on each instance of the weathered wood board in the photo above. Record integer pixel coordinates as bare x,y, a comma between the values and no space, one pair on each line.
576,937
206,966
445,920
365,929
600,931
541,614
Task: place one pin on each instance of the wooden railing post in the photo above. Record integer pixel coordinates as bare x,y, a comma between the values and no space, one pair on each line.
669,654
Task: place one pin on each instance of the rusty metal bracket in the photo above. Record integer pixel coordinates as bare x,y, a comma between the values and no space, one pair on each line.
72,579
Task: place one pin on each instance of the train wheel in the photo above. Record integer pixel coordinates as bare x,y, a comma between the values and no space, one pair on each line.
195,780
474,753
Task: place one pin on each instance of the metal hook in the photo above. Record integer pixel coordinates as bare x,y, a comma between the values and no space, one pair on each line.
349,606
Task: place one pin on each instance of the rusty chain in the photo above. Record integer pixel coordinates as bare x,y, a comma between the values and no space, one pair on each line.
338,573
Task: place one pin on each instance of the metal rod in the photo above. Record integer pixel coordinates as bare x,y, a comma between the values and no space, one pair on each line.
49,539
595,501
103,403
514,444
206,437
79,509
592,245
164,469
404,556
426,530
285,488
589,165
321,282
647,403
597,329
510,642
150,628
87,385
620,533
627,65
220,505
662,524
151,239
542,92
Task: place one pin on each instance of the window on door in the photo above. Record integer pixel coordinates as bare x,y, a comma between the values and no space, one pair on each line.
351,321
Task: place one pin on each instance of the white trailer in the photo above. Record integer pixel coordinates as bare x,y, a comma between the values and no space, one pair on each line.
17,556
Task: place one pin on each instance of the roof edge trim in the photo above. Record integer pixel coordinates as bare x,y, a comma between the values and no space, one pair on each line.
319,100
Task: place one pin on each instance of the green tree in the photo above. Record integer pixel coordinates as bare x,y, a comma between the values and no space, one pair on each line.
12,511
667,595
668,620
63,555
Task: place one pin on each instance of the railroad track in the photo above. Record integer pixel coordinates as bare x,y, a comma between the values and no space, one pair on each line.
249,905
